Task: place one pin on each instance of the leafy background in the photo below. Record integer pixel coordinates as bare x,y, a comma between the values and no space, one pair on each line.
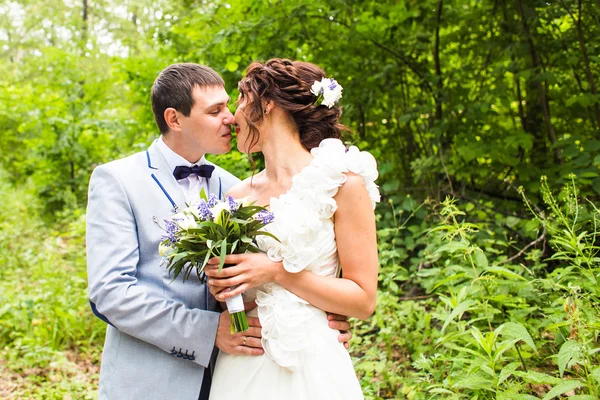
484,116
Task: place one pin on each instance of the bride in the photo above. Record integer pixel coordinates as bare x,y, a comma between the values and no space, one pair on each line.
322,196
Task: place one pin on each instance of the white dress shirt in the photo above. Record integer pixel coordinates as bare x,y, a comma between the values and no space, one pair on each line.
193,184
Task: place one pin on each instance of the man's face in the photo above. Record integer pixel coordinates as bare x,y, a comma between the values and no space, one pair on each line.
208,126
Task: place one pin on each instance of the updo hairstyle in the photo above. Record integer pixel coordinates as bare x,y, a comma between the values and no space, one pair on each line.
287,84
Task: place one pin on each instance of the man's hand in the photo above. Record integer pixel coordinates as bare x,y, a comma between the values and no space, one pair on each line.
340,323
246,343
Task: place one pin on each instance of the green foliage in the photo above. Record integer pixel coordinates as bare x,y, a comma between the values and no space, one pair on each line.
478,299
452,98
48,338
478,322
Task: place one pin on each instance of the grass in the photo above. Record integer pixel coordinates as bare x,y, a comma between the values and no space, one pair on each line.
50,343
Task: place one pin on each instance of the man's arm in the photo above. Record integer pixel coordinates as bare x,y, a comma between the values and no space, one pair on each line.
133,308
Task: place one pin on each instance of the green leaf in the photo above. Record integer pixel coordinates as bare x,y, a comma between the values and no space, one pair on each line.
505,272
570,350
503,347
537,377
257,233
232,66
480,259
562,388
511,222
473,383
459,310
440,391
206,258
595,374
245,239
449,279
203,195
453,247
510,395
507,371
223,254
515,330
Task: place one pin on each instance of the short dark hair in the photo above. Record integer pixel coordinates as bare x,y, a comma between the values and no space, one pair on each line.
173,89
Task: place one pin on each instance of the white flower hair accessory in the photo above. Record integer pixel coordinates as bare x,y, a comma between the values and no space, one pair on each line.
328,91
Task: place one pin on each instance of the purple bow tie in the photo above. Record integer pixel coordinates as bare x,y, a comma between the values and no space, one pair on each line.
204,171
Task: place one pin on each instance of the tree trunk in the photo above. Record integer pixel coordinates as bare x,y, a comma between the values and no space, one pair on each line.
436,58
84,27
586,61
543,101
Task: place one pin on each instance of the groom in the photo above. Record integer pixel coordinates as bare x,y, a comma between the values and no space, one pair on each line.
161,338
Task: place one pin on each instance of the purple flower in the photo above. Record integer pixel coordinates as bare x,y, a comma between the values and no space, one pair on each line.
332,84
264,216
171,229
212,201
233,205
204,210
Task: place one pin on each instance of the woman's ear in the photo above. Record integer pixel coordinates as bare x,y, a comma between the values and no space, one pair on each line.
267,107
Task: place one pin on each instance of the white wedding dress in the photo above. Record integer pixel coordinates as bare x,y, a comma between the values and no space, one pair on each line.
303,359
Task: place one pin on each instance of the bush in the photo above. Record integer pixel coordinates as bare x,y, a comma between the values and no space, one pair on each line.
49,339
478,319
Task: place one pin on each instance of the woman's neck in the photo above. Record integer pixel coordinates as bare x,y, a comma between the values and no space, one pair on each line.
284,155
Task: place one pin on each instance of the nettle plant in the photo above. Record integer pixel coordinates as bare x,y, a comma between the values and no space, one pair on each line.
573,317
478,348
514,327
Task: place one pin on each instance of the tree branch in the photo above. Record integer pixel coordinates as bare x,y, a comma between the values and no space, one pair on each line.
397,55
524,249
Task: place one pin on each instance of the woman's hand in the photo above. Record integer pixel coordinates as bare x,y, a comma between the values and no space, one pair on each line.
250,270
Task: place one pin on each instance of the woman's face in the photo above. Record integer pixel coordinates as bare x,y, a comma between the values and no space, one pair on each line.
244,137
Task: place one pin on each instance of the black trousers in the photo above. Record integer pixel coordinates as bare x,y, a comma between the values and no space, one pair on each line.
205,390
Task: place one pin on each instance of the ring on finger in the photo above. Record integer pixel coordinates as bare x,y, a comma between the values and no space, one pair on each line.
244,340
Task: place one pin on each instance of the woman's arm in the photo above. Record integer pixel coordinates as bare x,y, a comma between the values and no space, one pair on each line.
354,295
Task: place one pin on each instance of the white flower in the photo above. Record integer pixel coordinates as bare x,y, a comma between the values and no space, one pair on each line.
332,96
317,88
193,209
163,250
243,201
187,223
219,208
184,220
328,91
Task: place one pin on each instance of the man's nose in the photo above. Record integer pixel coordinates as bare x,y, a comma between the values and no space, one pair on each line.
229,118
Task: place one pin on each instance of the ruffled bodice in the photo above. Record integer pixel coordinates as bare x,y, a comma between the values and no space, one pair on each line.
303,224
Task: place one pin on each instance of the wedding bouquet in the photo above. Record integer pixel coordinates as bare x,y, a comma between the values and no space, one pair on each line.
213,228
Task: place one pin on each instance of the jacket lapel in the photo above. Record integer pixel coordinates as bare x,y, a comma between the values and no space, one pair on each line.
215,185
163,177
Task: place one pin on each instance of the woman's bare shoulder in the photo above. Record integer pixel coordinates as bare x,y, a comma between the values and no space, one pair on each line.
244,188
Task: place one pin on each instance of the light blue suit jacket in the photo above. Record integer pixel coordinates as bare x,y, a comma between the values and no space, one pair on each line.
162,332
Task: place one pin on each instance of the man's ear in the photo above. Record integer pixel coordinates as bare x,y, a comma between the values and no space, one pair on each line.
172,119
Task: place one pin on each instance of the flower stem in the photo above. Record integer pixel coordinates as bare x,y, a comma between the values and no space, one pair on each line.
238,322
